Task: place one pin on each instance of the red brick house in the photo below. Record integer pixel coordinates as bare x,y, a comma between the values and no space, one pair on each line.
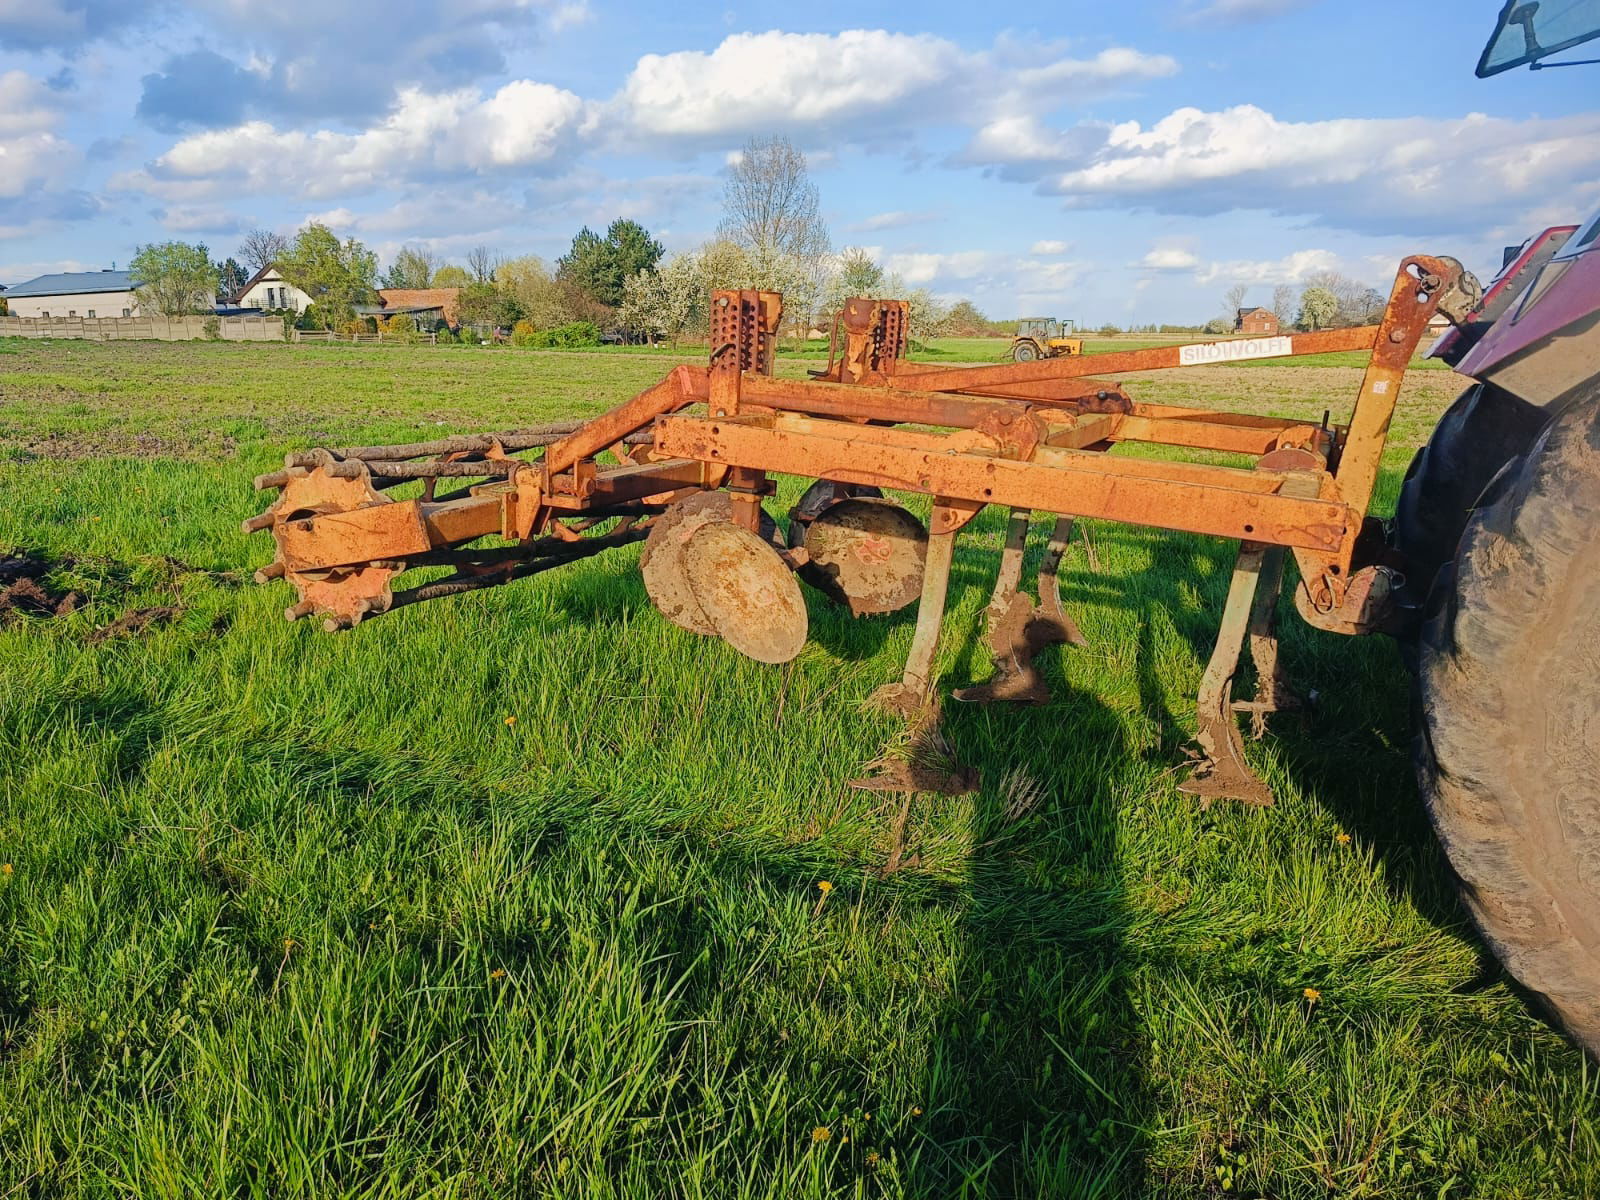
1259,322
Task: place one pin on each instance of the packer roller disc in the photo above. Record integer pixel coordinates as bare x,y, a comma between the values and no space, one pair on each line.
662,563
745,591
866,554
816,498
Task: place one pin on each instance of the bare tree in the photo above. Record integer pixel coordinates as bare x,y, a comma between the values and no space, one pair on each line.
769,202
1233,301
481,261
261,248
771,210
1286,303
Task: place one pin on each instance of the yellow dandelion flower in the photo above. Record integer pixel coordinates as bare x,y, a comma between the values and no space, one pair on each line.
1343,839
872,1158
510,721
289,944
5,868
916,1112
498,973
1311,994
845,1140
821,1133
824,887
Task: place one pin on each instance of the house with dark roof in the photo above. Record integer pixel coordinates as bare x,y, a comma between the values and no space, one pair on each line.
1257,321
75,294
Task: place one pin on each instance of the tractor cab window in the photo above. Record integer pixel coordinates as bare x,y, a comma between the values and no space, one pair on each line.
1530,30
1586,238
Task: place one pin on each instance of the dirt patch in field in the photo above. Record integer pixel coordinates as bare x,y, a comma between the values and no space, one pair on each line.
62,447
25,593
26,590
136,621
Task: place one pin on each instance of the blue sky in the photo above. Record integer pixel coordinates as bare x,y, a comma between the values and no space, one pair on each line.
1112,162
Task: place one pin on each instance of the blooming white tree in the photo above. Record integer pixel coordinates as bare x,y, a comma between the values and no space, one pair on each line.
926,313
853,273
667,301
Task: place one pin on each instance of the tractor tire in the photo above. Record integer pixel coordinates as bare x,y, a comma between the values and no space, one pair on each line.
1483,430
1024,352
1508,691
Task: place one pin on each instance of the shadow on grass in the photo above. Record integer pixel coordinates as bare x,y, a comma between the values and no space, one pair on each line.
1035,1084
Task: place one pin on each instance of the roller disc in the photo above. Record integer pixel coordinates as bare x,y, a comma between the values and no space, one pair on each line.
661,563
818,497
746,591
866,554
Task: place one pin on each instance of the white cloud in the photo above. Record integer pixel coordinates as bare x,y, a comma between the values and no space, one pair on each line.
1235,12
1050,247
921,268
465,213
1111,68
864,84
25,105
524,125
781,80
757,82
1169,258
64,24
33,159
566,16
302,60
1291,268
1403,175
14,273
1021,280
891,220
214,219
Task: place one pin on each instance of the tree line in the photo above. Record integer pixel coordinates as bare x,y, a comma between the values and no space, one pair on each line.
772,237
1326,300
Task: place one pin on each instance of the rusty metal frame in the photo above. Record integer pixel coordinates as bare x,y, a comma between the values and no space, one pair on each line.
1032,436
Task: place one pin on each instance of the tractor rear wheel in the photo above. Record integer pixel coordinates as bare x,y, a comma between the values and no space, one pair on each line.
1024,352
1483,430
1508,750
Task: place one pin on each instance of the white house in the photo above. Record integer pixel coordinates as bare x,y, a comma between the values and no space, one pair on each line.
75,294
267,289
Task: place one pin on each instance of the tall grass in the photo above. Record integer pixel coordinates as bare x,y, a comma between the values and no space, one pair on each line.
519,893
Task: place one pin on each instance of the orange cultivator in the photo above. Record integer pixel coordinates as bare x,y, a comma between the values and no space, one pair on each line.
690,466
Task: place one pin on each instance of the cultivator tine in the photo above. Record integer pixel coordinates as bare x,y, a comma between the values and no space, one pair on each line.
1274,692
1019,630
911,696
1221,771
1050,581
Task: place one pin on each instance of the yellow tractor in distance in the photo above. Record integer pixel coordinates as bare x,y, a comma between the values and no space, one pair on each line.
1045,337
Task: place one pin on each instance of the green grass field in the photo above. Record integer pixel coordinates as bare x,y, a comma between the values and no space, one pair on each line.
521,893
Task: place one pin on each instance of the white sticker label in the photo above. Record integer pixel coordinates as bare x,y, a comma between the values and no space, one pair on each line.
1216,352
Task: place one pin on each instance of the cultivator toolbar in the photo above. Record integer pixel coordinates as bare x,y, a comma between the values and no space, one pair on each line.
686,467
